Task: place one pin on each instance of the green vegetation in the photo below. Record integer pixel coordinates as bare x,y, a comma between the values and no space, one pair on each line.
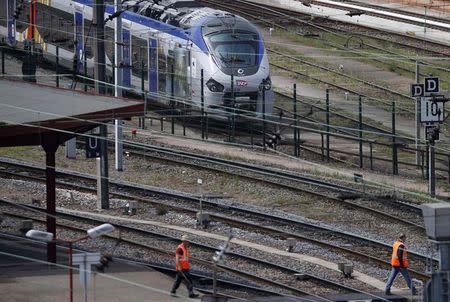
333,45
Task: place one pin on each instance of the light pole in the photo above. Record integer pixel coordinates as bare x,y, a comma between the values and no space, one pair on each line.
91,233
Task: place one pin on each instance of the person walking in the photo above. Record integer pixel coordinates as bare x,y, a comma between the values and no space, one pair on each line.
399,263
182,267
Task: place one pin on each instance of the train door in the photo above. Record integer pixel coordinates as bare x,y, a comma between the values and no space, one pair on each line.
181,74
126,54
153,65
79,38
170,73
190,69
162,67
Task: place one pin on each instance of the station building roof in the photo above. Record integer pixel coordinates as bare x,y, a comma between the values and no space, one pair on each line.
28,111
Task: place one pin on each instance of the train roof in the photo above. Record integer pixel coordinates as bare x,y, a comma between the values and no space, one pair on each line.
180,13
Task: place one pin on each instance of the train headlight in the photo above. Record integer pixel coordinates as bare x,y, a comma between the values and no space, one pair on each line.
214,86
266,84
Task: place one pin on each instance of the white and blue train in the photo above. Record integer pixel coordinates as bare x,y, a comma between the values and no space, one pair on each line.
179,40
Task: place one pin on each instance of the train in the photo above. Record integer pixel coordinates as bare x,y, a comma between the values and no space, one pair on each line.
182,45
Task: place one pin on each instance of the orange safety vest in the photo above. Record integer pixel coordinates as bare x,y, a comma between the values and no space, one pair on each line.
182,261
394,260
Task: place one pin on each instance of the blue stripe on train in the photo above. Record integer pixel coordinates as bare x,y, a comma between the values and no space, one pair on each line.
194,35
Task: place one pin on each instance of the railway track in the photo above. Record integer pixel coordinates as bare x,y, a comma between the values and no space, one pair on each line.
284,274
330,70
335,28
271,176
227,213
247,288
391,13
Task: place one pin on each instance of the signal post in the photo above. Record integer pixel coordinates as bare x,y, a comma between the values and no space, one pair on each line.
431,115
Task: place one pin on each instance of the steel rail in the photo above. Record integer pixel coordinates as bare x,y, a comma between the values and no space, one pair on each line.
387,13
195,259
332,30
252,212
159,267
248,168
371,84
362,256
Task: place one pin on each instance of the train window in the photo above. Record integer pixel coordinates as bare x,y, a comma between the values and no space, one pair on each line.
234,49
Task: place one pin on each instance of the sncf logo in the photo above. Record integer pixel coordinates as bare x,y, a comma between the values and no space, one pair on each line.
241,83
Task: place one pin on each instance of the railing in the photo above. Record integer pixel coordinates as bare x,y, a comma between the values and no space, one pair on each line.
385,146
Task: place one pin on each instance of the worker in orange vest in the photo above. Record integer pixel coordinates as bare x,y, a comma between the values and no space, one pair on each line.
182,267
399,263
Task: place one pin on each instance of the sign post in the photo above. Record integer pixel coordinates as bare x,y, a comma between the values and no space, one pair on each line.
93,149
432,114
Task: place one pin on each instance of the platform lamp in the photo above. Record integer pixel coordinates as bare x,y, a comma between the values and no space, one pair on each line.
91,233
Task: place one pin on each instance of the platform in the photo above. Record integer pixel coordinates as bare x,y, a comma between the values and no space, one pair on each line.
22,279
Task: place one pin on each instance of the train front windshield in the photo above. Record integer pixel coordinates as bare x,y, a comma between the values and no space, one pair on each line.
234,49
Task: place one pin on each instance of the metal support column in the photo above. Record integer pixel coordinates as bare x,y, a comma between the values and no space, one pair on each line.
85,72
100,76
233,104
50,145
432,172
103,181
3,45
418,109
264,116
328,122
296,131
202,99
172,96
118,129
394,143
360,133
57,66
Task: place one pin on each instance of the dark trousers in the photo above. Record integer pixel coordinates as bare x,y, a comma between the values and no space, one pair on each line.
183,275
394,271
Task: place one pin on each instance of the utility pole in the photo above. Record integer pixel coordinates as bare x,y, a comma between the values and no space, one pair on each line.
432,172
417,118
99,73
118,82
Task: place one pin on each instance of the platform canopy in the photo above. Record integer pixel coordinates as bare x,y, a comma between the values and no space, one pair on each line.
32,114
28,112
